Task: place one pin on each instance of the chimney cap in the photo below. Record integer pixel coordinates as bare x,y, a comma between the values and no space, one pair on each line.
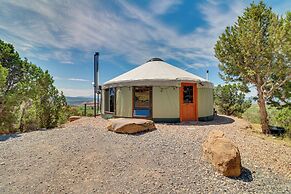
155,59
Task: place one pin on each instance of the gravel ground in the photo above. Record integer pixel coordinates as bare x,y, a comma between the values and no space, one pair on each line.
83,157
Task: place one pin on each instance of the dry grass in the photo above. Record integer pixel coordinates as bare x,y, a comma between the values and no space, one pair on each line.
256,130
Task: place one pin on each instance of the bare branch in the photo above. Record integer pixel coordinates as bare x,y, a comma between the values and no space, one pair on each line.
276,86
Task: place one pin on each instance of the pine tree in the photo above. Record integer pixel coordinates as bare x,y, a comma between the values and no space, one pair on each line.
256,51
230,99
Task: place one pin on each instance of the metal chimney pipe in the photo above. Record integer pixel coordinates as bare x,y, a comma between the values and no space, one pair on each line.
207,75
96,79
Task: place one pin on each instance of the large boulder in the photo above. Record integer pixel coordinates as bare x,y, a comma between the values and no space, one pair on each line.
74,118
130,126
222,153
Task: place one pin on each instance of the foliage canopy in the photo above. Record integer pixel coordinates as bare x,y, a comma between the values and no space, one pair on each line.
28,98
230,100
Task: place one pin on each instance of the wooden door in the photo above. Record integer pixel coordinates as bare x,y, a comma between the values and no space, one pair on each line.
188,102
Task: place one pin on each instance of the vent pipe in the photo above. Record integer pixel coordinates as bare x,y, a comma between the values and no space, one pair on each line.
207,75
96,80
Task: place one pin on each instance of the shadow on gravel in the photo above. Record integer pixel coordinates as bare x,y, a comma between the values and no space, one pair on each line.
246,176
8,136
218,120
142,133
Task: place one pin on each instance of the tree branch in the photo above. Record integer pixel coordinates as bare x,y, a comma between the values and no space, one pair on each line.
276,86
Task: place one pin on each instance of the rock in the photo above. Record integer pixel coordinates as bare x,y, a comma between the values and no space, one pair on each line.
130,126
73,118
222,153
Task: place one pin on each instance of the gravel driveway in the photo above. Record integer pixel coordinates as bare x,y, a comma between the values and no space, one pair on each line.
83,157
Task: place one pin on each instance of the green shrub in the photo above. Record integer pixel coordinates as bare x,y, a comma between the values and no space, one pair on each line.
28,97
283,118
30,122
75,111
277,117
90,114
252,114
230,99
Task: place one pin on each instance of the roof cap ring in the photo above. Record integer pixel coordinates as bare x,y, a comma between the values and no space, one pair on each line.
155,59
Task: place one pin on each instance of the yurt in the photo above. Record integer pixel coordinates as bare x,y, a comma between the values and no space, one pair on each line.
159,91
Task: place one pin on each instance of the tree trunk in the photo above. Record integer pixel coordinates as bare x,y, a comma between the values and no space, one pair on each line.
263,111
21,125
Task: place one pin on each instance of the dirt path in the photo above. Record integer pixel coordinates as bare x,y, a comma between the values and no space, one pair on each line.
83,157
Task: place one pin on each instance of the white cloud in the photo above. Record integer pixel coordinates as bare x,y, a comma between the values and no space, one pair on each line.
78,79
71,79
197,66
131,32
163,6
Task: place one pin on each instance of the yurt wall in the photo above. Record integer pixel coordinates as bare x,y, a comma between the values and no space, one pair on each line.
166,104
205,103
102,102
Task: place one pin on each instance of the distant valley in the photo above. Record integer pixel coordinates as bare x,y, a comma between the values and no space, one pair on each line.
75,101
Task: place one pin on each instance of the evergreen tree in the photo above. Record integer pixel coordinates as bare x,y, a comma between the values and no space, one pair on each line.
3,76
256,50
49,102
27,94
230,100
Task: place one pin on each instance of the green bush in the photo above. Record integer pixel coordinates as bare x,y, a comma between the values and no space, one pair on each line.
28,97
252,114
90,114
277,117
64,115
75,111
283,117
230,99
29,122
68,111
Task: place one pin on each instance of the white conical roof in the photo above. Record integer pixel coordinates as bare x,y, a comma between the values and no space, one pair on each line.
155,72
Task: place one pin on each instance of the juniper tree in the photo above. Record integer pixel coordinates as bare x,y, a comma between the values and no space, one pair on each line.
23,87
230,99
256,51
3,75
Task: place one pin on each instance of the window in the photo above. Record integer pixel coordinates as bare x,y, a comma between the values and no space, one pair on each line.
188,94
142,101
111,99
109,96
106,100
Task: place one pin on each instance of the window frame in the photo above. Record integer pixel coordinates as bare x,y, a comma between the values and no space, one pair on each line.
150,107
107,99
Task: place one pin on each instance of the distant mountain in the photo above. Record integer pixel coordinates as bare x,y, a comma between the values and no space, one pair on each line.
75,101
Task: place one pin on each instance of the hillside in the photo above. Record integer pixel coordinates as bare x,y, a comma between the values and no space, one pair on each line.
75,101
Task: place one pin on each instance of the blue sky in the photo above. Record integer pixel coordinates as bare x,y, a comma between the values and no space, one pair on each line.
62,36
